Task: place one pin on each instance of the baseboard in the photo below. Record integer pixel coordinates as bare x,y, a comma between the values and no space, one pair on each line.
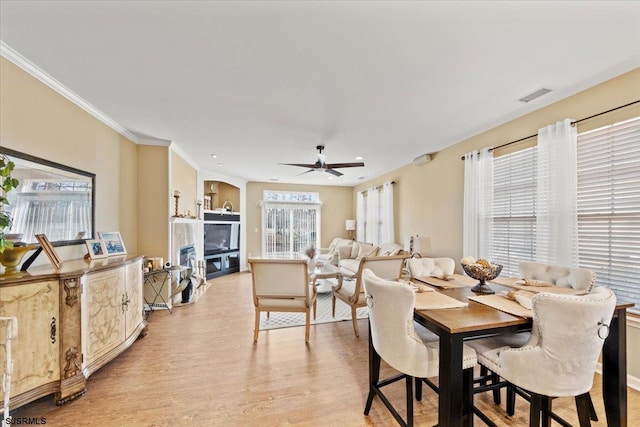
633,382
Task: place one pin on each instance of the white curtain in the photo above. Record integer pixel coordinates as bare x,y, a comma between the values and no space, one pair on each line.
373,216
556,208
386,207
360,218
478,203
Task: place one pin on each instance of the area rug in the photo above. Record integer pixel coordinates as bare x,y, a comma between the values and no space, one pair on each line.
323,315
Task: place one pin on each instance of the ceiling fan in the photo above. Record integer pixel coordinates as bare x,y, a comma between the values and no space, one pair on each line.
321,165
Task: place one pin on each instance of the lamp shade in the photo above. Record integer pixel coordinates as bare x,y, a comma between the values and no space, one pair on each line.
350,224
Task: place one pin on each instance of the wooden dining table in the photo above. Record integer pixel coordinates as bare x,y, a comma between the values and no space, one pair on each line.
455,325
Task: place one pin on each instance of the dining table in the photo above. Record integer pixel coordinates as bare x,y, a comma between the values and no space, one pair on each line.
476,320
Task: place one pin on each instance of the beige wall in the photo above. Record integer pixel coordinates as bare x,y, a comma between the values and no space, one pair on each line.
183,179
36,120
154,201
337,206
228,192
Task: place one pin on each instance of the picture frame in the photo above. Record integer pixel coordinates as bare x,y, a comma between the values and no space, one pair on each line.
48,249
97,249
113,242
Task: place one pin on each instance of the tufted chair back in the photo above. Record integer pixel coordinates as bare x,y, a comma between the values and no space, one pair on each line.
391,319
566,277
561,361
431,266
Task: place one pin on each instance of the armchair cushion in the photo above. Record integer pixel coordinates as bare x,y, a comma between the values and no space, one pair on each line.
390,249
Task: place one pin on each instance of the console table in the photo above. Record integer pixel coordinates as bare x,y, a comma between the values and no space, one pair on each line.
73,320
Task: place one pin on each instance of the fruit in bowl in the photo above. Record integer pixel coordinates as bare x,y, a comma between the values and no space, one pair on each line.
481,270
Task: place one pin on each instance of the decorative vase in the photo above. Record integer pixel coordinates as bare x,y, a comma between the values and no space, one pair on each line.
12,257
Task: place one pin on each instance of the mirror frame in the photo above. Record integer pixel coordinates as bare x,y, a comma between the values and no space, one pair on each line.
23,156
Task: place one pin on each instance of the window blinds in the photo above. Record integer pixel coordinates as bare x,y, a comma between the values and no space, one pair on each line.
609,207
514,221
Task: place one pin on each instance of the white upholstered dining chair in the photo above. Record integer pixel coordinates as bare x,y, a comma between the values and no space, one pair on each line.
282,285
560,357
414,353
351,292
431,266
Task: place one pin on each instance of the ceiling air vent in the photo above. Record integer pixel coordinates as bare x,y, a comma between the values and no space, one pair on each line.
534,95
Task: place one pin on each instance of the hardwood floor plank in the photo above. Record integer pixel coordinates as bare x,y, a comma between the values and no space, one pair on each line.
200,367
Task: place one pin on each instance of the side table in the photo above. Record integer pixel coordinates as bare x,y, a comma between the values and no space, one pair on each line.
156,280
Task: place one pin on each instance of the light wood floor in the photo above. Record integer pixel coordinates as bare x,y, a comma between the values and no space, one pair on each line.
200,367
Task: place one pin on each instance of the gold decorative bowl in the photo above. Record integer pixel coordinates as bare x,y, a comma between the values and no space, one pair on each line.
12,257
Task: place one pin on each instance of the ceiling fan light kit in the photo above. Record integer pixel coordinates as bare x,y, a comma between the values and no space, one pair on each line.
323,166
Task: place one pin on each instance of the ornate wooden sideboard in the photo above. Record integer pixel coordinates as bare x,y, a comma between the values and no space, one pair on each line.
71,322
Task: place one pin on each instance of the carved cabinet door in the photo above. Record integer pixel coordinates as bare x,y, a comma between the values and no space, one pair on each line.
103,311
36,350
134,297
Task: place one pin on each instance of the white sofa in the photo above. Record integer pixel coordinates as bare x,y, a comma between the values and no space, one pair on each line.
330,254
349,256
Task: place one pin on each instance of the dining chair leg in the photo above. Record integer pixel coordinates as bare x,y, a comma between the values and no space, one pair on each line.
307,325
257,326
374,374
409,387
418,382
534,410
592,410
315,303
354,318
268,314
333,305
583,404
511,400
546,411
495,379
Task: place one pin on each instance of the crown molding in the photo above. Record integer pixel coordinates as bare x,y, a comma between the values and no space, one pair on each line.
32,69
176,148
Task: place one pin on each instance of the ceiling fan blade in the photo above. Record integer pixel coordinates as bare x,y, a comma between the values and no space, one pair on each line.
302,165
344,165
333,172
306,172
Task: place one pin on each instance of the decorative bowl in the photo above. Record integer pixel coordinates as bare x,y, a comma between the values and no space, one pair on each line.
478,272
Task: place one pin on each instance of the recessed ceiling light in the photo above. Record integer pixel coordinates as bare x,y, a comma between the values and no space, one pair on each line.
359,158
215,156
220,164
361,177
274,179
331,177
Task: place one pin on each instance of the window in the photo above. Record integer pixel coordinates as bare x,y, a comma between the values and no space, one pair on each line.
608,167
514,217
609,207
290,222
374,208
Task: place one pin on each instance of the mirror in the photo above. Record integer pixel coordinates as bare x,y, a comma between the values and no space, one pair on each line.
51,199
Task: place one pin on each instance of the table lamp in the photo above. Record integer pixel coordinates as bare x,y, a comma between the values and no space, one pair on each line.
350,226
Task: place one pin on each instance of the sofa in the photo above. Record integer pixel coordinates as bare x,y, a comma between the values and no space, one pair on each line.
349,256
330,255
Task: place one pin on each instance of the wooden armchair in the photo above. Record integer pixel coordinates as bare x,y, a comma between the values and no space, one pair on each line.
352,292
282,285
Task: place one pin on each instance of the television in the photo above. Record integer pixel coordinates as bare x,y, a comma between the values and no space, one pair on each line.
220,237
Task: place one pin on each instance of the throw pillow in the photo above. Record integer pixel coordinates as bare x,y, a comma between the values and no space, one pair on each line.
355,249
366,250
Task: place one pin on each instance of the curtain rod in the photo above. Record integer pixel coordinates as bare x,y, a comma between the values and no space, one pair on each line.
573,123
378,186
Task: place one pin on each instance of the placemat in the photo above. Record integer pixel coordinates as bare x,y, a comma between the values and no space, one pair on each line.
511,282
503,304
436,300
457,281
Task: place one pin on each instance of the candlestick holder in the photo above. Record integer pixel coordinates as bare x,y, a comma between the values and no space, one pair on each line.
177,197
